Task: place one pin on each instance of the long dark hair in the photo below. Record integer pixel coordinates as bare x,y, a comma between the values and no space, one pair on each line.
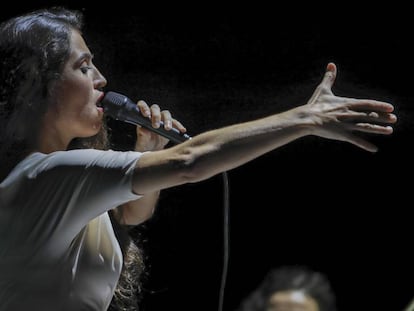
33,50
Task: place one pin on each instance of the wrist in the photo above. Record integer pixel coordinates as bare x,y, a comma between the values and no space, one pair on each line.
301,118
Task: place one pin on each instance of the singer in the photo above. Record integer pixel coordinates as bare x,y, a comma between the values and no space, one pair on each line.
60,185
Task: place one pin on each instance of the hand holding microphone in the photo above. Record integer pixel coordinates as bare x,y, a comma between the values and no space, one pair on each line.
120,107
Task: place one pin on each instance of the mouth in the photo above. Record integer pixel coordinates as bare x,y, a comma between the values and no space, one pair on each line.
99,101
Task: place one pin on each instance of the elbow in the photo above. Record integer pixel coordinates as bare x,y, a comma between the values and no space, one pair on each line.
188,169
194,165
173,167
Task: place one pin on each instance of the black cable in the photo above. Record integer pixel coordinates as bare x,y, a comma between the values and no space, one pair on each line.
226,239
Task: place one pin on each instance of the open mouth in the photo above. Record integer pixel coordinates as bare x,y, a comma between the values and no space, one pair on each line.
99,102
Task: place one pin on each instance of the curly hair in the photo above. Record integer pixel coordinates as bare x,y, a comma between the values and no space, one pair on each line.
286,278
33,50
128,292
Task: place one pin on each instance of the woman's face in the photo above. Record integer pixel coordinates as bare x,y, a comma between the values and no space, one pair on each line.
291,301
73,111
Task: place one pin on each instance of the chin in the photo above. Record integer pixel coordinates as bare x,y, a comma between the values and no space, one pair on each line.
96,130
92,130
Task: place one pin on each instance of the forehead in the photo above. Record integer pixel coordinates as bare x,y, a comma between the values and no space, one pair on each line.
292,300
78,46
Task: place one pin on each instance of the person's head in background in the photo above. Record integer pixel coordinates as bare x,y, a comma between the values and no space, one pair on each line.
291,288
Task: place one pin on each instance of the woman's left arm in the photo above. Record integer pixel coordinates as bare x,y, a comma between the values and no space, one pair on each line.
138,211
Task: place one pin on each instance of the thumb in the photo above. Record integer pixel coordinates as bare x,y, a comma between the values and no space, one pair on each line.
326,83
330,75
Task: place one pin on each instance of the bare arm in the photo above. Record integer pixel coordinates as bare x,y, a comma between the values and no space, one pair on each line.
138,211
210,153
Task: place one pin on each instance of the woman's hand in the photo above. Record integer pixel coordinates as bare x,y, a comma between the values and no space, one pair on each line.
137,211
148,140
342,118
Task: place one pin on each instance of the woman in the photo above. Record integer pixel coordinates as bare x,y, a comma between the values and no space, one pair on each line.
26,80
57,243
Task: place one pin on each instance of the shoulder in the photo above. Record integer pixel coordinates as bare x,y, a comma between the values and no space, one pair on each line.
71,161
87,157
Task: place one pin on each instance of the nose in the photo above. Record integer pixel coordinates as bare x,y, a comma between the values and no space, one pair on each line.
99,81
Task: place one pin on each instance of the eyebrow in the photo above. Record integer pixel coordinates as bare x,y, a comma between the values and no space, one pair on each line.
84,55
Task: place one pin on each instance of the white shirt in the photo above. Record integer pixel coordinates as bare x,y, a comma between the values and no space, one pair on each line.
58,250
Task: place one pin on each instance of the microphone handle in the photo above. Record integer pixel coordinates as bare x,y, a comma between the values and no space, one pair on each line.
135,117
120,107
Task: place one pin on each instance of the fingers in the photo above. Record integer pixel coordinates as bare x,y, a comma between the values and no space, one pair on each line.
177,124
167,119
157,116
371,128
360,142
369,105
153,112
370,125
367,117
144,108
342,118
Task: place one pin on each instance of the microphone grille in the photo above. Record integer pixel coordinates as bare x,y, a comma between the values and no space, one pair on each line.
112,99
113,104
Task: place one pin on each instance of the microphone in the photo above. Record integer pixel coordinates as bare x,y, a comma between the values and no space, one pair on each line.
120,107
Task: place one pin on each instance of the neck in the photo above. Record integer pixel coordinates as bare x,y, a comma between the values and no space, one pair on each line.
51,139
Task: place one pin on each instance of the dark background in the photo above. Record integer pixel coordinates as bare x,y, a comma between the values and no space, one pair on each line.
324,204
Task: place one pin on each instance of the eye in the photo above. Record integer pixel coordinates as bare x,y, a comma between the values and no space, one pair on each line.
85,69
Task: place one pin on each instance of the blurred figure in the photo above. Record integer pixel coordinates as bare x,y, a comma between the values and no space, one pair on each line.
410,306
291,288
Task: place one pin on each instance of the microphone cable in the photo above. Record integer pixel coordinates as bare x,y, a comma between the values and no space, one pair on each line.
120,107
226,239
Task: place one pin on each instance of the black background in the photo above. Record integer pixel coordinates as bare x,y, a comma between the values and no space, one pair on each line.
325,204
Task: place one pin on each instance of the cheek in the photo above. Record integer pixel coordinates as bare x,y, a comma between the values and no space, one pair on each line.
74,95
79,89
